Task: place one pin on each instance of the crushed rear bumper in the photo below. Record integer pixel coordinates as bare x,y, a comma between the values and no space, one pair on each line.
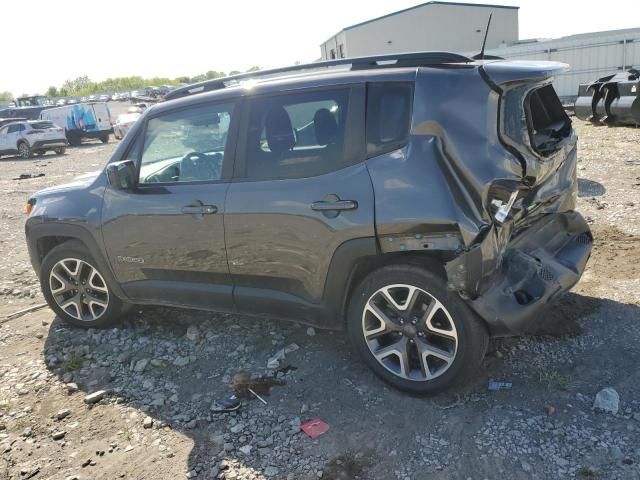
539,265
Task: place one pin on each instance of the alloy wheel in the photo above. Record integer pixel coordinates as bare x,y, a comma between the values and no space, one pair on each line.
79,289
23,150
409,332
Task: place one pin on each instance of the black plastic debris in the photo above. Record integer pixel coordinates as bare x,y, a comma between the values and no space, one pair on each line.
610,100
229,403
24,176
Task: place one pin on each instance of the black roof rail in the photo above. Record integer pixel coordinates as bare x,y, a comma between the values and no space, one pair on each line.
417,59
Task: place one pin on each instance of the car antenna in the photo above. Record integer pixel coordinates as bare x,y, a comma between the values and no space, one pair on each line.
480,56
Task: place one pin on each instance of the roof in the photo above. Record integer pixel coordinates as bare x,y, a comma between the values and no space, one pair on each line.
458,4
413,59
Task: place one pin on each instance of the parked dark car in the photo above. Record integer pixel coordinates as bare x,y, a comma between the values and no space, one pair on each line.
423,202
4,121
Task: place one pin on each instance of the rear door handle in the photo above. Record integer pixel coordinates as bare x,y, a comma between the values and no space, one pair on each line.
324,206
200,209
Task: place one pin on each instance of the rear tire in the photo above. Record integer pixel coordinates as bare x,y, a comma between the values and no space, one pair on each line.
24,150
104,139
76,290
414,333
60,150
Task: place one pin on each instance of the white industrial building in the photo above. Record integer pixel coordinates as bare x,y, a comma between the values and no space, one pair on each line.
452,27
460,27
591,56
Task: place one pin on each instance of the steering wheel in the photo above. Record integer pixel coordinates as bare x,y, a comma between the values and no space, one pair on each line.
194,156
199,166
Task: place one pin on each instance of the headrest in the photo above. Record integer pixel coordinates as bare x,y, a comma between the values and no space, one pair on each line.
325,126
278,129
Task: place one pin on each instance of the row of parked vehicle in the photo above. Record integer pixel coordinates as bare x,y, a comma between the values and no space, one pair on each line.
147,92
55,128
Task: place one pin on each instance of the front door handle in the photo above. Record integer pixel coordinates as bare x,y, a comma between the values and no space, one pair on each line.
200,209
324,206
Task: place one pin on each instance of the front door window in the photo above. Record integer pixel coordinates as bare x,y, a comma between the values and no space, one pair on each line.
186,146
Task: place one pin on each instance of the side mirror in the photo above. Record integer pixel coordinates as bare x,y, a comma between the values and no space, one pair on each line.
122,175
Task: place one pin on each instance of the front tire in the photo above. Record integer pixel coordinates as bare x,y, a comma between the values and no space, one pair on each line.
76,290
104,139
60,150
414,333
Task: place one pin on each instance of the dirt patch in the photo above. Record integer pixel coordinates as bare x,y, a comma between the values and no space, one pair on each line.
348,467
616,255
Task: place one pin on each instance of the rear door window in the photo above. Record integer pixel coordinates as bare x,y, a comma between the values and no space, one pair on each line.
388,116
296,135
41,125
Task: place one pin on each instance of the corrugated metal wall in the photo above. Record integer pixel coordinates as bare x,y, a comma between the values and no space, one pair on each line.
591,55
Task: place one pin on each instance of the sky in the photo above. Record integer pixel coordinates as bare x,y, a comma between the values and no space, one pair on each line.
188,37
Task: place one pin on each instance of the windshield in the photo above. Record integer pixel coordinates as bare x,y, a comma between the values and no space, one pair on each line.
32,101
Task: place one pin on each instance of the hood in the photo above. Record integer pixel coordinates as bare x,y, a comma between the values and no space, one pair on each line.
79,183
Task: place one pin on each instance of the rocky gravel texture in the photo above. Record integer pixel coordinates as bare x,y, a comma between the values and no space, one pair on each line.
141,401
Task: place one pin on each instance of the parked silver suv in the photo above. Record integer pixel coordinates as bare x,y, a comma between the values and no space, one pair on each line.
29,137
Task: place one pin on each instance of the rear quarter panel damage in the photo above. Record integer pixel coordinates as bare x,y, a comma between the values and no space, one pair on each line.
434,195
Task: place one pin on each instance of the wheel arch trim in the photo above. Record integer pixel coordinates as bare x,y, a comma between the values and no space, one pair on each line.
37,232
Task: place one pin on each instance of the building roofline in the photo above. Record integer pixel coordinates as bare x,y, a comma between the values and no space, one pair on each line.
433,2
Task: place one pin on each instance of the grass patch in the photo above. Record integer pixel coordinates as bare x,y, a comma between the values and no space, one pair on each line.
587,472
554,379
74,363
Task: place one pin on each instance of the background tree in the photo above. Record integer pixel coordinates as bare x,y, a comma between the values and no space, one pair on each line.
84,86
6,96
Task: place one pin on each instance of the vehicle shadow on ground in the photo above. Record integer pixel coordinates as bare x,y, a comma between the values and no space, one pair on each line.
158,363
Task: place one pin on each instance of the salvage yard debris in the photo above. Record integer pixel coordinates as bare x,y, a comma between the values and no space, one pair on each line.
24,311
274,361
245,386
607,400
314,428
496,386
25,176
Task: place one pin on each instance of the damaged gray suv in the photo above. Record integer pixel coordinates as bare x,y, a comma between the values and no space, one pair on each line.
423,202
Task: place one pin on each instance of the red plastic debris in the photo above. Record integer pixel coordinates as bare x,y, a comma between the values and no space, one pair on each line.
314,428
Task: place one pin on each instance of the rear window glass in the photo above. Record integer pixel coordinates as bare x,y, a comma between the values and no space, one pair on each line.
535,119
41,125
550,124
388,116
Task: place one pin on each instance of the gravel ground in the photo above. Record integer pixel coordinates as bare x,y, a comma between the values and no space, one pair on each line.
138,401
